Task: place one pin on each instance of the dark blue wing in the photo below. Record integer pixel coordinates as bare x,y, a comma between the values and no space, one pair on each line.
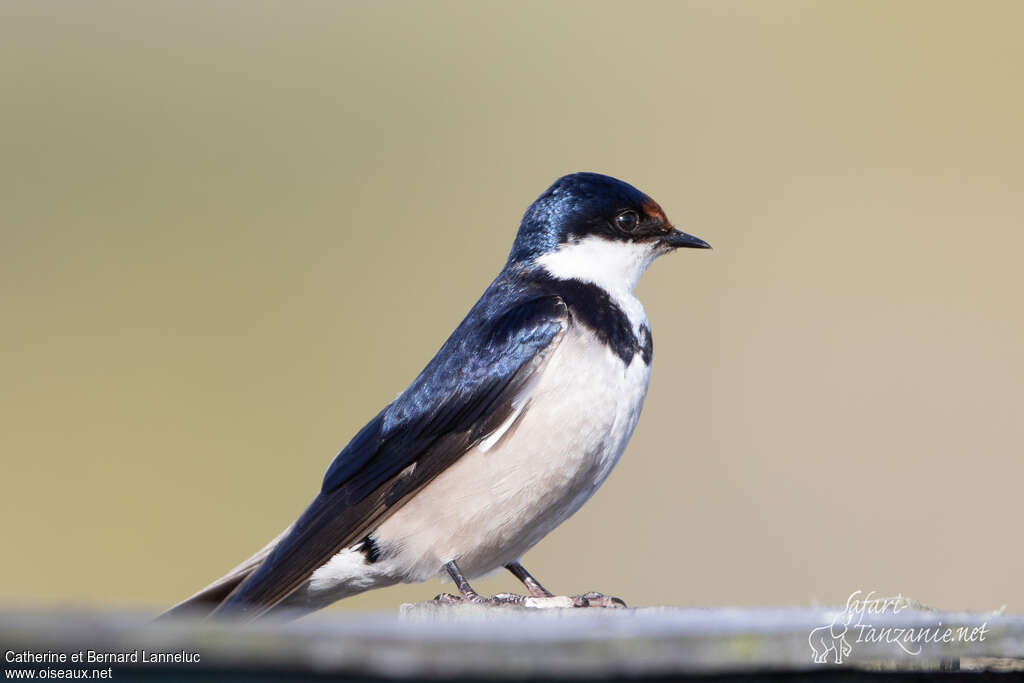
462,395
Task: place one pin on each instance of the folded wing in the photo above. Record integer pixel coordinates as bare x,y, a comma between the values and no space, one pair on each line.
469,389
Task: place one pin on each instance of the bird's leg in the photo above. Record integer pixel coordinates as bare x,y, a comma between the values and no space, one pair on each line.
539,591
470,595
463,584
541,597
531,583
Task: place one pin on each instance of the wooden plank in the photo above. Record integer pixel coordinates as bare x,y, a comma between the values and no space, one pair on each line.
451,642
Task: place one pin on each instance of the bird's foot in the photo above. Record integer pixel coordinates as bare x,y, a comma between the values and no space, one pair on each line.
539,598
501,599
593,599
533,602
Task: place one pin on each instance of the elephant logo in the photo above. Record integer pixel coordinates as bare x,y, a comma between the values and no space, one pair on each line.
831,639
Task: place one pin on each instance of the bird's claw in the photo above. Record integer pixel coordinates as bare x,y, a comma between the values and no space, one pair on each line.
593,599
496,600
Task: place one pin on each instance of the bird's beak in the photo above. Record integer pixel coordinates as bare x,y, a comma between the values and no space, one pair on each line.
678,239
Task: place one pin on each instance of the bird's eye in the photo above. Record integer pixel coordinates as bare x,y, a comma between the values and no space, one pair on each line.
627,220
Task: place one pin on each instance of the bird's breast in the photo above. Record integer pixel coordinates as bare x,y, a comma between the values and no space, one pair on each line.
534,471
585,406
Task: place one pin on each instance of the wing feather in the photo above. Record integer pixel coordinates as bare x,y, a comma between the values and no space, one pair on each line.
471,387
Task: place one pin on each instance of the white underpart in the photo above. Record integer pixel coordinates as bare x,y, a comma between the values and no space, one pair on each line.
570,426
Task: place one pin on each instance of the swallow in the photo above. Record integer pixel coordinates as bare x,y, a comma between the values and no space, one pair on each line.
507,432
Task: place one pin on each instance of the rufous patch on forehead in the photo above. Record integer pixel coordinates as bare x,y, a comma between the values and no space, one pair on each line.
654,211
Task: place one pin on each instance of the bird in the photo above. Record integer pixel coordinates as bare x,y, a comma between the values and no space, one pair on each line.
509,429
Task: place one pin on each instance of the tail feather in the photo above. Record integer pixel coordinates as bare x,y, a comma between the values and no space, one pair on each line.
206,601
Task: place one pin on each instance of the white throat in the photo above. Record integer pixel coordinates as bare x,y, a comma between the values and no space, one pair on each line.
613,266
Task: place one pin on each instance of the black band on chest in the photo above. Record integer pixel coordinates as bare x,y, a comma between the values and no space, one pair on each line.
591,305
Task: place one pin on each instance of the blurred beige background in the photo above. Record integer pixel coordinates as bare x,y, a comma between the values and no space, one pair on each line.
232,231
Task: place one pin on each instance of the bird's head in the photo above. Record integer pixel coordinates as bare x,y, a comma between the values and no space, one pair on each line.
595,228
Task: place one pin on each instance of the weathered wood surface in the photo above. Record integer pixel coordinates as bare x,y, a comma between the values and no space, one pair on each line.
433,640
